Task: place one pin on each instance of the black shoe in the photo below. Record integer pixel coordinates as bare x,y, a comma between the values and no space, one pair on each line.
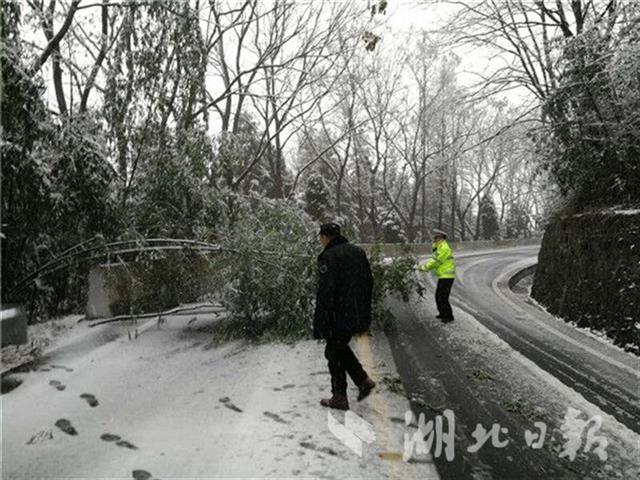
339,402
446,320
365,388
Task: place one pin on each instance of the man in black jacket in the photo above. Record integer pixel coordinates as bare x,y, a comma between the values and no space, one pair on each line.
343,308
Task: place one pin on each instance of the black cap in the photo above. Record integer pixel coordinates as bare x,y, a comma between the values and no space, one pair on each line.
330,229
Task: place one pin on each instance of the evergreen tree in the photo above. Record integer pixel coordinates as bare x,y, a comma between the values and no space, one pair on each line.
518,224
489,226
317,198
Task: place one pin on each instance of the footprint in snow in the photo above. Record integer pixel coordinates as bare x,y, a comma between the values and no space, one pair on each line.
275,417
125,444
226,401
109,437
57,384
313,446
91,399
62,367
65,425
140,475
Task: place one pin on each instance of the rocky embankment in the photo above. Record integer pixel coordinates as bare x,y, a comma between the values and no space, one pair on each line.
589,273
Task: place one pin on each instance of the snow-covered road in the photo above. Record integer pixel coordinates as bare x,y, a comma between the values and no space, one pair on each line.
170,404
604,374
505,362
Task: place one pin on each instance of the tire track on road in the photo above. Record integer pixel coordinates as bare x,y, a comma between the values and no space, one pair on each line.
552,357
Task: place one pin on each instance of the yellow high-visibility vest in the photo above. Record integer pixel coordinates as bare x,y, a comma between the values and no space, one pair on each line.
442,262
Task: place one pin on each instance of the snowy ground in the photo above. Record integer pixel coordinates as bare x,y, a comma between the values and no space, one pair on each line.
169,404
42,337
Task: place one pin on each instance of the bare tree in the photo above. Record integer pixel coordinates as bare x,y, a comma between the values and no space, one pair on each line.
528,35
52,49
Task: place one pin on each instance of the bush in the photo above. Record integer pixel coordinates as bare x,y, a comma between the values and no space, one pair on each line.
265,275
392,276
160,281
270,270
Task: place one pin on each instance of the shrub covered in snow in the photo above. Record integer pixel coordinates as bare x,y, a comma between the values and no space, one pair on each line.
269,270
394,275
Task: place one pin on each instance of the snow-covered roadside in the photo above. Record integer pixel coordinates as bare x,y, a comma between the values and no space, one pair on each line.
172,404
42,337
598,335
513,381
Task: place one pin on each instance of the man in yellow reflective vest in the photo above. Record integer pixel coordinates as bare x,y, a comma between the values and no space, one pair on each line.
443,266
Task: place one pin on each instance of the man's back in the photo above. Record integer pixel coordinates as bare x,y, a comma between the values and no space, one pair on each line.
344,289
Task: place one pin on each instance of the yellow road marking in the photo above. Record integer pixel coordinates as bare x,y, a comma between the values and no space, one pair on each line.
365,353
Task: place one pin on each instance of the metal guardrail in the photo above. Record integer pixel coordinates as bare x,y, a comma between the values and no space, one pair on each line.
391,249
96,249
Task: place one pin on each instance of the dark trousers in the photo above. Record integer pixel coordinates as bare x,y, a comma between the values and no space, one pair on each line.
342,361
443,290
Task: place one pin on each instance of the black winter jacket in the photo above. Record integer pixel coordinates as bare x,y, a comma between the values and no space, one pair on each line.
345,283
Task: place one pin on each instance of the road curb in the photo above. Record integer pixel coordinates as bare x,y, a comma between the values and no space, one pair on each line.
520,274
